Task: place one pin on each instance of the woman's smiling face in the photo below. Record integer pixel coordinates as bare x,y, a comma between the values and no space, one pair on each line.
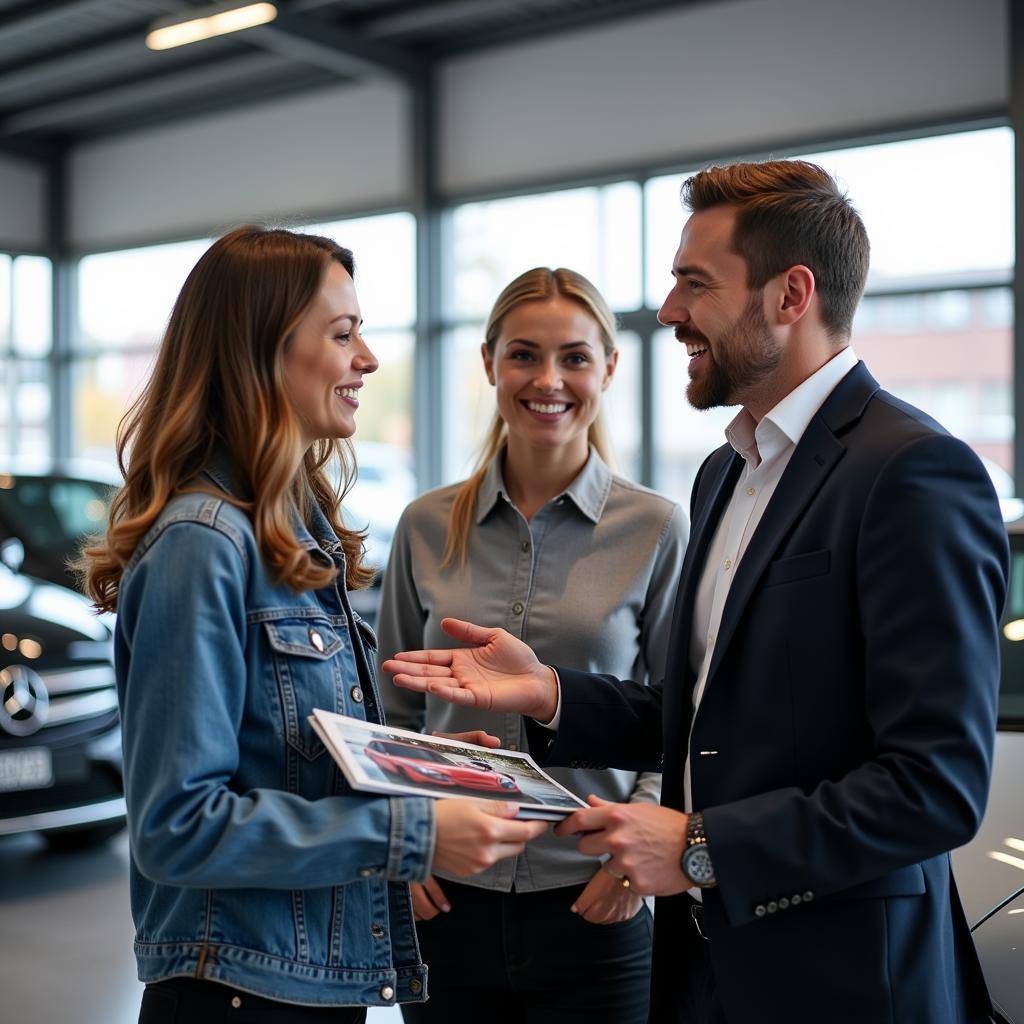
326,358
549,367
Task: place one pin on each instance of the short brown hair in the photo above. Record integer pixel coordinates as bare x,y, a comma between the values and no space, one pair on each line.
791,212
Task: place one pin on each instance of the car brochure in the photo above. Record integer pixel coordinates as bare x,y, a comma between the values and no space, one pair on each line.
382,759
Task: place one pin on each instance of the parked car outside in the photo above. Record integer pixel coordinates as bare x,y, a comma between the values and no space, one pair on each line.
990,869
424,766
60,742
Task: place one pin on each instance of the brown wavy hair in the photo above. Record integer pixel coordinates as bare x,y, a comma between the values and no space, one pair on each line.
792,212
218,386
535,285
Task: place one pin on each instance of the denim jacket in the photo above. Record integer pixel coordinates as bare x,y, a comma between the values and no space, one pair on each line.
252,861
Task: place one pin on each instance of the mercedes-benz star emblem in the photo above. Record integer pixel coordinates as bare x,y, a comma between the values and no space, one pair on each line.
24,702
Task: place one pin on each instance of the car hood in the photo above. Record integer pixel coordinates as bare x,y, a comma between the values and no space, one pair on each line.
991,867
1000,944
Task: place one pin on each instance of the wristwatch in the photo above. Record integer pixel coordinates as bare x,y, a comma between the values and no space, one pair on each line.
696,858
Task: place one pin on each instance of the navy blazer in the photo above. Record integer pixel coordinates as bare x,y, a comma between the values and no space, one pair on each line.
844,739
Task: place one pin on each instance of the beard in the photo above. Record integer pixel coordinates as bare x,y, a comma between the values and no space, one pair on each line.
744,356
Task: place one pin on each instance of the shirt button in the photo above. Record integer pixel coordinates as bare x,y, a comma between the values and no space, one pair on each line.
316,640
376,931
387,993
357,694
236,1002
526,545
517,608
415,986
727,564
512,746
750,492
711,638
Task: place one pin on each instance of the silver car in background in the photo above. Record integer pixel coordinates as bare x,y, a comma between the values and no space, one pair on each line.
990,869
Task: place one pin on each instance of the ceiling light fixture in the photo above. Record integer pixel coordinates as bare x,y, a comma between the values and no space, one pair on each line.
202,23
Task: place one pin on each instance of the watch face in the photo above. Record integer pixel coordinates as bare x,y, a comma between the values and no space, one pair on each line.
697,865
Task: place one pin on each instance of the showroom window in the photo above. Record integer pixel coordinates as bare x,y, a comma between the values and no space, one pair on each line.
936,323
26,342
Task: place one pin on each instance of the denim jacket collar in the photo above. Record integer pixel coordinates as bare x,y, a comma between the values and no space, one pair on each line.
317,536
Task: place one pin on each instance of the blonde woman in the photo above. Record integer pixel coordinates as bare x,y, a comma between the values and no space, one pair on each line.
262,887
545,540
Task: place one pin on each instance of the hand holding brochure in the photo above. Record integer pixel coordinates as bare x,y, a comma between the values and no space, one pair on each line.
380,759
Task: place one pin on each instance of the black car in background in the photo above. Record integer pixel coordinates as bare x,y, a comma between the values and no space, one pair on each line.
60,743
50,505
60,746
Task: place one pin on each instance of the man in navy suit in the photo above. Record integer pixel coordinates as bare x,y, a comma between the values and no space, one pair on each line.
826,718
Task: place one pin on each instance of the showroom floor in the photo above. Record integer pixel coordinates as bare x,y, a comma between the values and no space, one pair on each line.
66,936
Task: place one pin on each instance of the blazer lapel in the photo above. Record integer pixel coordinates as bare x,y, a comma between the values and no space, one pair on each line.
812,461
714,491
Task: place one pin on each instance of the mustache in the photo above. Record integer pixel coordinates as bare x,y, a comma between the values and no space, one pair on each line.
684,333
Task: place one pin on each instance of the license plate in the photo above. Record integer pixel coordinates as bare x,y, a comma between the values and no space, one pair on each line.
31,768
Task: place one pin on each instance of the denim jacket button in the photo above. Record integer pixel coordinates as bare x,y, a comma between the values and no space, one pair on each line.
316,640
415,986
387,993
357,694
376,931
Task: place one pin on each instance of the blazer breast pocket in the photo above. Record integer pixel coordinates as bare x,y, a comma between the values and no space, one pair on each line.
797,567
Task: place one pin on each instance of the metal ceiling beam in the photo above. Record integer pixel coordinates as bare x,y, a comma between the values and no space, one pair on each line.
41,14
434,15
65,114
340,51
45,74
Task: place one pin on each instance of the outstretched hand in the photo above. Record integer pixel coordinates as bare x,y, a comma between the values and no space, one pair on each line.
497,673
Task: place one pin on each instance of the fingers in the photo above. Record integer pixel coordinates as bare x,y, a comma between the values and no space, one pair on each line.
595,801
591,820
411,664
450,692
477,736
467,632
423,906
432,889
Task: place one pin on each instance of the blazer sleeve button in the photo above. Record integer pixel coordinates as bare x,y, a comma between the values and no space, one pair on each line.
759,910
783,903
772,906
808,896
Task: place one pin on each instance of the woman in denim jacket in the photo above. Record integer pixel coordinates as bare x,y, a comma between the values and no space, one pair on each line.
260,883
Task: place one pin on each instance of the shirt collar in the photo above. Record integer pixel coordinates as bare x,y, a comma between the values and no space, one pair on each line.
588,491
785,423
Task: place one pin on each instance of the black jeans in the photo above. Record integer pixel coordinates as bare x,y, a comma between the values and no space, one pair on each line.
197,1001
525,958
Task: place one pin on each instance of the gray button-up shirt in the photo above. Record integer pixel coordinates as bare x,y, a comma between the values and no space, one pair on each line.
588,583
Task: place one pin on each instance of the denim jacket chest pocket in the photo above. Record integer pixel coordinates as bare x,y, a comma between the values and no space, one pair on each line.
310,658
